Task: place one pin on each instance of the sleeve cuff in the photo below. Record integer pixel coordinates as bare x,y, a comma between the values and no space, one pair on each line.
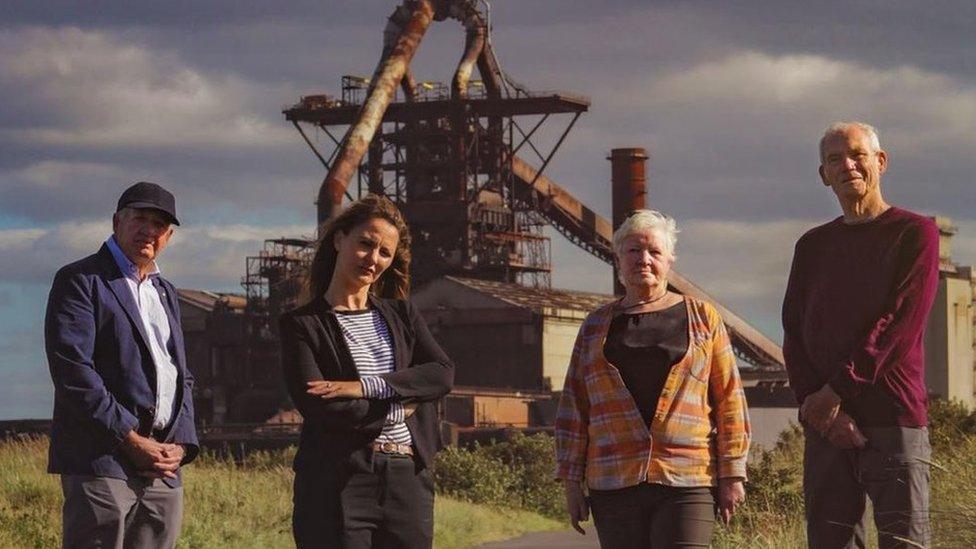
127,422
396,414
190,452
377,387
846,387
732,468
570,471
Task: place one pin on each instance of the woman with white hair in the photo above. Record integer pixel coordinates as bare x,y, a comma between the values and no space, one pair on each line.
652,420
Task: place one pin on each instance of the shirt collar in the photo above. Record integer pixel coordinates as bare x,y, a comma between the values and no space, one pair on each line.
128,268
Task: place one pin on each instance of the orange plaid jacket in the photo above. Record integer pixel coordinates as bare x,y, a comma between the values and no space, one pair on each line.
700,430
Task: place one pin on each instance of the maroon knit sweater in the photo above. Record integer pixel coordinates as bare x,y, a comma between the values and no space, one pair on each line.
855,312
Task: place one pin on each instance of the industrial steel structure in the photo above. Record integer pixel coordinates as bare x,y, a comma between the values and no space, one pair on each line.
453,165
452,158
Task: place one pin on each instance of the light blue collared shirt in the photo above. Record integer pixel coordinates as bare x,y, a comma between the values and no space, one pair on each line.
156,323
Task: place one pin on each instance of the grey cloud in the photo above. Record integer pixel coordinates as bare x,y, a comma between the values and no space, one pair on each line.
744,265
737,135
108,93
933,35
710,151
117,113
52,190
575,269
38,253
728,100
213,257
246,191
184,13
207,257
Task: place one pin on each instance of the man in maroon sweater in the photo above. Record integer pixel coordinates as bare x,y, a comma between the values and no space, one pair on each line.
854,315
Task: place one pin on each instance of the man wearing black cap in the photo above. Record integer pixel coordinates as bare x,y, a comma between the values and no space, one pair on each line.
123,406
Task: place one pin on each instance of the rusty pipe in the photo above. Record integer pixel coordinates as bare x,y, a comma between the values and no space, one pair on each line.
491,73
409,86
394,28
474,43
388,75
468,14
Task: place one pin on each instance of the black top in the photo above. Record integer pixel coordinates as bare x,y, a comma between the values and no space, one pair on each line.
643,347
342,430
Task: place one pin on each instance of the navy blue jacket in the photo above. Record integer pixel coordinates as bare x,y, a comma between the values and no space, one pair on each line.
103,372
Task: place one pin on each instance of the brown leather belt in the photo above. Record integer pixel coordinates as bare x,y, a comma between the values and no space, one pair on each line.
393,448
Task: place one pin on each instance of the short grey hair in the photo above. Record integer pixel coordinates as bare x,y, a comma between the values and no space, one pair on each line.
127,212
843,126
647,220
124,213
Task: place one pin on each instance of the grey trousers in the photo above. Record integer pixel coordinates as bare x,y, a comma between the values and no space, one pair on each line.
110,512
892,470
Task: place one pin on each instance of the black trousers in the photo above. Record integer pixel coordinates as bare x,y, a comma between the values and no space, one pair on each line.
391,507
653,515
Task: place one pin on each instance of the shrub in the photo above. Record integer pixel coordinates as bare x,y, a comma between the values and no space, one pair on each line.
471,475
515,473
949,420
773,512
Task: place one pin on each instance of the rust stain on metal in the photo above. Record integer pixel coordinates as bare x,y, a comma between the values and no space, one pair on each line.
628,181
387,77
628,190
409,86
474,43
394,28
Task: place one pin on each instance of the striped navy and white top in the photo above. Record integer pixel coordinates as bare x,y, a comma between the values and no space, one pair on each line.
371,346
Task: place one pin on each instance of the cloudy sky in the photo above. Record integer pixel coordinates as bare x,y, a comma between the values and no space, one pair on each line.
729,98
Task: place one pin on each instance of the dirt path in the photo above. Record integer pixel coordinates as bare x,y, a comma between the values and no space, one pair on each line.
547,540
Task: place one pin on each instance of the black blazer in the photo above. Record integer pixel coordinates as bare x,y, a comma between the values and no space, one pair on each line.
341,430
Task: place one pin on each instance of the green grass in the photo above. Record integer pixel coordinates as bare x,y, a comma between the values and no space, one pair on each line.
249,505
460,524
227,505
773,514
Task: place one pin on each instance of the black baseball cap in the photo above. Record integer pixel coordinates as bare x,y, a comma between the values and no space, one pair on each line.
149,195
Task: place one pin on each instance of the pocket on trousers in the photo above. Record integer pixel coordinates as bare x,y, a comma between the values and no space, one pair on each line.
877,466
426,479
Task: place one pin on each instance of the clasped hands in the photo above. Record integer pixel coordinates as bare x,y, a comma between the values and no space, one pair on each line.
330,389
821,411
153,459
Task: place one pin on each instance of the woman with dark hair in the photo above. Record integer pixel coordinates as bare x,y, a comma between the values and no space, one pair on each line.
365,373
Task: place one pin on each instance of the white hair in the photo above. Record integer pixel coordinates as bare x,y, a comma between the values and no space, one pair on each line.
124,213
127,212
843,126
647,220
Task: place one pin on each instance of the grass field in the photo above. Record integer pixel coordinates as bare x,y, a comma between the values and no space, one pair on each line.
227,505
249,505
772,517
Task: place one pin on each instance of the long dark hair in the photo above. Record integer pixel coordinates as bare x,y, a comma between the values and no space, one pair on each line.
395,280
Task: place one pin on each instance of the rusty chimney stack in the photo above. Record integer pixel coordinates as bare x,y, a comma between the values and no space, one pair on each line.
629,189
